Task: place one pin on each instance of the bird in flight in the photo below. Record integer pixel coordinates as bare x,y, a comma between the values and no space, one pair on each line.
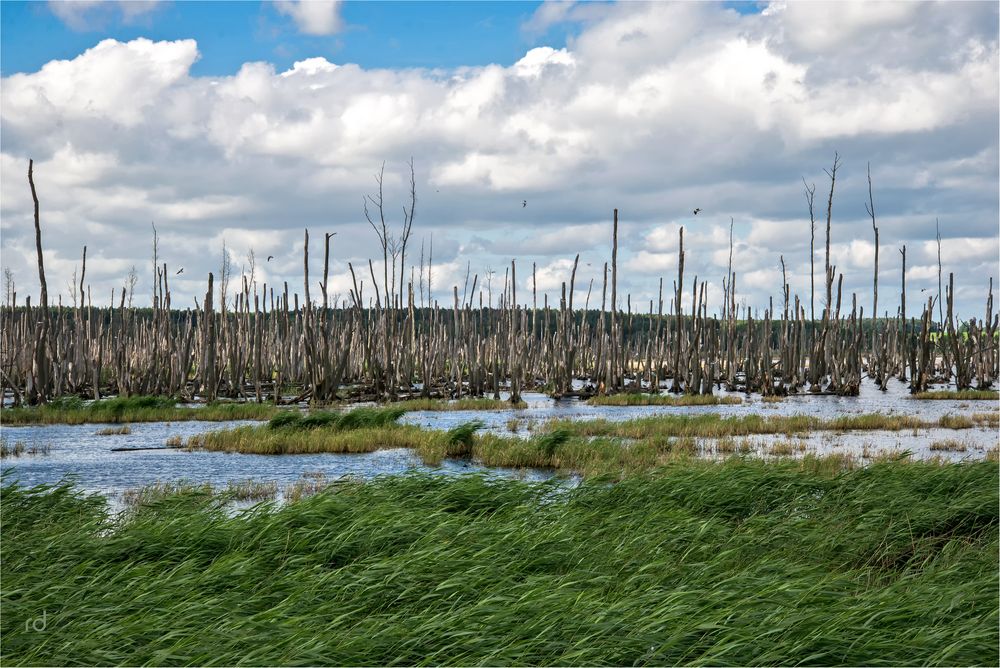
270,257
179,271
696,211
524,204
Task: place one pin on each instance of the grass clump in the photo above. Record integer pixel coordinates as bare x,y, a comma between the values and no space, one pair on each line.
460,439
646,399
18,448
949,445
959,395
735,563
123,430
117,410
359,418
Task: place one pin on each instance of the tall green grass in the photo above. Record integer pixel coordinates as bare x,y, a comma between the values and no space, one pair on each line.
73,410
738,563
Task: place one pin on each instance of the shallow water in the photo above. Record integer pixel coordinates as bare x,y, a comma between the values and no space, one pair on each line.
77,450
895,400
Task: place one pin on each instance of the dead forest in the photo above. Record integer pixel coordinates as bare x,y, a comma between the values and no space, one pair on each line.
389,340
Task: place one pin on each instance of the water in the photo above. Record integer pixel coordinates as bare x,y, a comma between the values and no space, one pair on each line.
895,400
77,450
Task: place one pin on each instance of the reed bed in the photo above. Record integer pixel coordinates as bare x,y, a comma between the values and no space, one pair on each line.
645,399
960,395
73,410
734,563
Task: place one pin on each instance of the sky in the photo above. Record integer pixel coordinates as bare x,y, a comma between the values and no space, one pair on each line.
237,125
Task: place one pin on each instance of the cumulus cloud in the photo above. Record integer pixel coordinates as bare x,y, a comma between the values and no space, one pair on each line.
312,17
654,108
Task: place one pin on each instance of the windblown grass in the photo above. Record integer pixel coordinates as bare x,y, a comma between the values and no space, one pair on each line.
735,563
73,410
645,399
959,395
465,404
236,490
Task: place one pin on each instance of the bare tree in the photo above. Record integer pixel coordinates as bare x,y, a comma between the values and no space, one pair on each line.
937,227
130,281
810,198
225,271
156,262
9,289
381,231
832,173
870,208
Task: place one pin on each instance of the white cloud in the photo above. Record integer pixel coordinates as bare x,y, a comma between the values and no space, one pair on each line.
654,108
312,17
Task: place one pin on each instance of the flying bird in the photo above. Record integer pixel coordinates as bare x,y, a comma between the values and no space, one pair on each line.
696,211
179,271
524,204
270,257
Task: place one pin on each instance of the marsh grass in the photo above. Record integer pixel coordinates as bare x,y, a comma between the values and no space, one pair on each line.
742,562
359,418
18,448
712,425
157,491
593,447
360,430
250,490
646,399
310,483
465,404
73,410
123,430
959,395
949,445
15,449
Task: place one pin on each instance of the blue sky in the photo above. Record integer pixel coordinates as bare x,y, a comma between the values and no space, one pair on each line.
376,35
161,113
